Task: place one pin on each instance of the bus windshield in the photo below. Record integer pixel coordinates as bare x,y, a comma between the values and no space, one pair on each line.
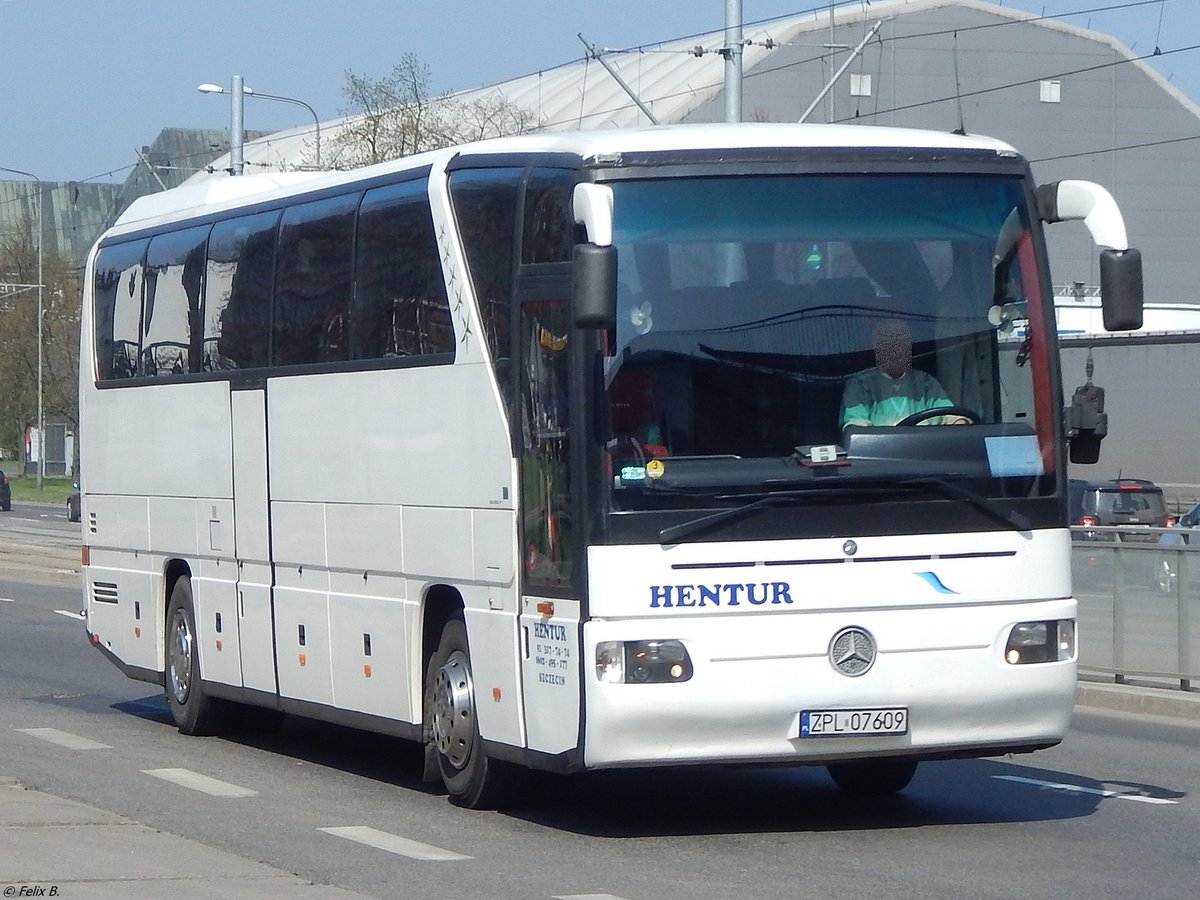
773,331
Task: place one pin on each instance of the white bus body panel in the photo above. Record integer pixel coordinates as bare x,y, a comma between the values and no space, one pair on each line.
339,537
757,665
551,669
142,511
252,540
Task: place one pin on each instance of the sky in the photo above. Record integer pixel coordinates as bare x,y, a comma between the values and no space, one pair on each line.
85,83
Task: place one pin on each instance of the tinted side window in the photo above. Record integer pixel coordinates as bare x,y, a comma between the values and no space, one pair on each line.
171,329
313,281
545,465
485,208
237,305
118,309
400,304
549,232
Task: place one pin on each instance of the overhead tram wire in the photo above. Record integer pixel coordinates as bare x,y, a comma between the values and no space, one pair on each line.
1141,146
769,69
1112,7
692,89
1027,81
651,47
1118,7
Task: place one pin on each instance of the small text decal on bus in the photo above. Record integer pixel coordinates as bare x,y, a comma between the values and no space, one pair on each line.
667,596
552,653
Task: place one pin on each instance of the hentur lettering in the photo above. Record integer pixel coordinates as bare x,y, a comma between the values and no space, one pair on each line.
549,632
759,593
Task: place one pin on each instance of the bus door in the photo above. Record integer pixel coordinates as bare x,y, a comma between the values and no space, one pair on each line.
253,538
549,628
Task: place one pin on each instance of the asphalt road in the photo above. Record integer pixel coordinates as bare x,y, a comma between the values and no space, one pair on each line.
37,543
1112,812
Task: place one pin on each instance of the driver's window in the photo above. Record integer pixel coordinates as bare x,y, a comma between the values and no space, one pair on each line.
545,469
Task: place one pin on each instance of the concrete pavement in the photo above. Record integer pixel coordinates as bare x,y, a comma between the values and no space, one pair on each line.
52,847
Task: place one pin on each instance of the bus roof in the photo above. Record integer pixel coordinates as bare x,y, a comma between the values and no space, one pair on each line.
213,194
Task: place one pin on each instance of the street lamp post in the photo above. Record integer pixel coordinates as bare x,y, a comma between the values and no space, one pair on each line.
237,91
41,469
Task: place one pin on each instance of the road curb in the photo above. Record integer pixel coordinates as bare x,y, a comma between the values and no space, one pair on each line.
1175,704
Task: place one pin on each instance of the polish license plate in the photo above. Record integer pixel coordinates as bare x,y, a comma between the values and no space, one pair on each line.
854,722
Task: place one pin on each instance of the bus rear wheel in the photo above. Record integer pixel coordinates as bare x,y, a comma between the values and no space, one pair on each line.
193,710
472,779
874,778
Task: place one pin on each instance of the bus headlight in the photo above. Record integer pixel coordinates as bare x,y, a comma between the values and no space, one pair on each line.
642,662
1038,642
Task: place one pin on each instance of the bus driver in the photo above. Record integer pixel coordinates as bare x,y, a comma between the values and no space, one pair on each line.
893,389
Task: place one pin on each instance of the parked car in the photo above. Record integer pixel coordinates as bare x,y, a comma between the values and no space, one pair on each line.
73,505
1168,565
1134,504
5,493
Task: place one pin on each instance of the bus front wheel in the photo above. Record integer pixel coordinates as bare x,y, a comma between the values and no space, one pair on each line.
193,710
472,779
876,778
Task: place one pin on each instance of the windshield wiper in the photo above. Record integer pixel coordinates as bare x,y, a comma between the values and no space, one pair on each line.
1015,520
676,533
867,487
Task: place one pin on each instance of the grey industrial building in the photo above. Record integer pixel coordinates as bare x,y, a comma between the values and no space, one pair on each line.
74,213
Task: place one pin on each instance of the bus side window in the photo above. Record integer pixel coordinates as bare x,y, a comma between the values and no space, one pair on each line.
549,228
171,322
313,281
118,309
400,304
545,463
485,209
238,290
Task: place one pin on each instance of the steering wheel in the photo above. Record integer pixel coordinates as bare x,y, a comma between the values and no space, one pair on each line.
934,411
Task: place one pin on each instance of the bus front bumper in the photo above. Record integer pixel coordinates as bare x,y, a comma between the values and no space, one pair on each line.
751,682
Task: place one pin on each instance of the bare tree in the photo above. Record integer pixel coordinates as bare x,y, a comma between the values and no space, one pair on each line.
490,116
398,115
19,340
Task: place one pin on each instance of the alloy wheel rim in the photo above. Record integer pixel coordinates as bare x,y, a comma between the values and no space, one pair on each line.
454,710
181,657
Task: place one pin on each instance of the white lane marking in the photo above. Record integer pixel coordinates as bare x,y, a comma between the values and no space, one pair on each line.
392,843
69,614
587,897
65,739
197,782
1079,789
7,600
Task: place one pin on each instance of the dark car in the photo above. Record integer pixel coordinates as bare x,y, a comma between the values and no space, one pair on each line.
73,505
5,493
1134,504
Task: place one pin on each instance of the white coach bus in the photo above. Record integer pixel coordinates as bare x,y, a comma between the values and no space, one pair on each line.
533,451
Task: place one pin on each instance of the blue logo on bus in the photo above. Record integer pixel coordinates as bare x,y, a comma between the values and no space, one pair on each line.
935,582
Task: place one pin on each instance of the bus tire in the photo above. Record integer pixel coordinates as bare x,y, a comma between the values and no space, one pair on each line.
192,709
472,779
874,778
